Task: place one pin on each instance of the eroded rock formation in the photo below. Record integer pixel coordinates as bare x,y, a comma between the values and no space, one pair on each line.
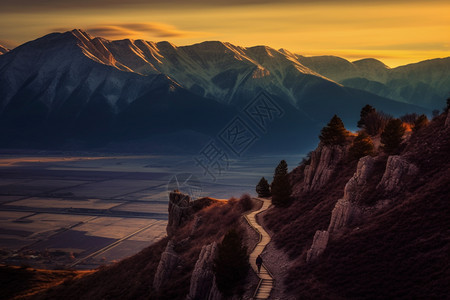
203,279
347,208
323,163
397,169
319,245
168,262
179,211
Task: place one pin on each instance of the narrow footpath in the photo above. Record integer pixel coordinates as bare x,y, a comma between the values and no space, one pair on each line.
266,280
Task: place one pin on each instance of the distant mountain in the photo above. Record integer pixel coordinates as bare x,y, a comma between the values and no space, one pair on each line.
3,50
73,89
425,83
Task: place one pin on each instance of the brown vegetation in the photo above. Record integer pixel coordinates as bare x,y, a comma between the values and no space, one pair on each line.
400,252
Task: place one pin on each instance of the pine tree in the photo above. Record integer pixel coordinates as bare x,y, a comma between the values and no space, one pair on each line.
362,146
420,122
281,188
391,137
364,112
334,133
263,188
231,265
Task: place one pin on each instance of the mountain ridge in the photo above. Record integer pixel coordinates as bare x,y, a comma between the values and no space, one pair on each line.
66,81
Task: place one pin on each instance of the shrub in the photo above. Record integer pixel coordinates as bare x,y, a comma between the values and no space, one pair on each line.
246,202
362,146
420,122
334,133
409,118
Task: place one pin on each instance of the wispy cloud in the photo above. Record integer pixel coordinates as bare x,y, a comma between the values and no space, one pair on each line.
137,30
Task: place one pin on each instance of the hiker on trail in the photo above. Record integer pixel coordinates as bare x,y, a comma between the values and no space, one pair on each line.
259,262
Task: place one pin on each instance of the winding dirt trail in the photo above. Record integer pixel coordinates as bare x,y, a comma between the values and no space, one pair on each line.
266,280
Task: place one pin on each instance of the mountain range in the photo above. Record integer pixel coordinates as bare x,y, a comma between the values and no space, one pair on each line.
74,90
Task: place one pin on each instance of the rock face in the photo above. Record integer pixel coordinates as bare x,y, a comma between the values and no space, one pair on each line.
203,279
397,168
346,207
323,163
319,245
342,213
168,262
179,211
447,121
352,190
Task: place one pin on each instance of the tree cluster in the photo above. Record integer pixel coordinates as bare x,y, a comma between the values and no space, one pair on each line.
372,121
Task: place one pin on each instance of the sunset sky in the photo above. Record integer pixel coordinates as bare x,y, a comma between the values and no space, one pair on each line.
396,32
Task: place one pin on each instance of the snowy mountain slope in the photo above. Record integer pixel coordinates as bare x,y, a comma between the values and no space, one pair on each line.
71,85
425,83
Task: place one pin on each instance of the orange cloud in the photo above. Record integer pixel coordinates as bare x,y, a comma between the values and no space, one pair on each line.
137,30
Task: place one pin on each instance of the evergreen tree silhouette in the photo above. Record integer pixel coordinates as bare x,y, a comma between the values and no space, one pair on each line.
334,133
263,188
281,188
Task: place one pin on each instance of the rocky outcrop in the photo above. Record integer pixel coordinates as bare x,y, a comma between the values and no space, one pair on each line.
179,211
342,213
203,279
319,245
447,120
168,262
323,163
397,169
346,208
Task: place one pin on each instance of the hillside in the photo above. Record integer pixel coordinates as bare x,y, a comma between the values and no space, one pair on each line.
370,228
191,229
378,229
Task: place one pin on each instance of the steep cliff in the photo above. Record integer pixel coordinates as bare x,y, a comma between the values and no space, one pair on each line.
168,262
203,285
180,210
395,176
324,161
